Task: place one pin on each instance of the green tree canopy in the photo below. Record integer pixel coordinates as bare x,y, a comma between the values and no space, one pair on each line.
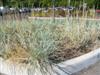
48,3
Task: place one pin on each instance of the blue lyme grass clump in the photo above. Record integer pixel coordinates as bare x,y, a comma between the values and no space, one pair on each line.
40,38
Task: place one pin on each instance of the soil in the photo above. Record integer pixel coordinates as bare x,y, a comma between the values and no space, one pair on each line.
69,53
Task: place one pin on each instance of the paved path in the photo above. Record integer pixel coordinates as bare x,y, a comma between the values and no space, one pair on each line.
2,74
93,70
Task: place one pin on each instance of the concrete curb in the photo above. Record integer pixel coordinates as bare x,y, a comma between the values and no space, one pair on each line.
65,68
50,18
79,63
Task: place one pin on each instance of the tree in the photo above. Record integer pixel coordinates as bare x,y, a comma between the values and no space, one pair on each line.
97,4
48,3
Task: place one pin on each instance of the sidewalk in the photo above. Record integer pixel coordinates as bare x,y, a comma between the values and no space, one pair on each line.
93,70
2,74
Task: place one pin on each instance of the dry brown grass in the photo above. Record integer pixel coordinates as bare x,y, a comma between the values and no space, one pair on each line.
17,55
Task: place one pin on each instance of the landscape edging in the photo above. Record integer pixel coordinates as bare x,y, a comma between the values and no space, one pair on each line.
79,63
64,68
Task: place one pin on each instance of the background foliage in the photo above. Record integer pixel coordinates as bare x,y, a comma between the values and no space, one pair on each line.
48,3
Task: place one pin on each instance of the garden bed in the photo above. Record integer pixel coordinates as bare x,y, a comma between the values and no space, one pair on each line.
19,55
69,53
72,41
43,43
